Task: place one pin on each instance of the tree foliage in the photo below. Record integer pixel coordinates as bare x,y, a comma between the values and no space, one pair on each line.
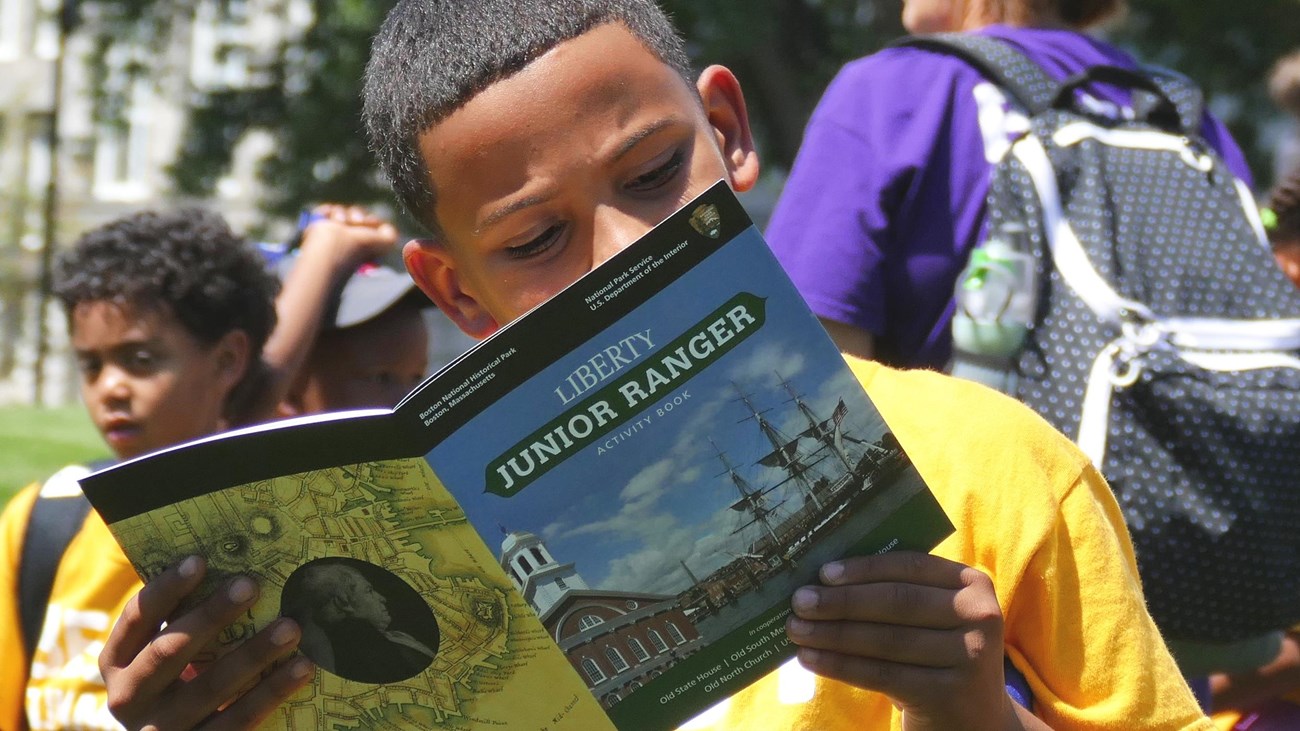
1228,47
306,92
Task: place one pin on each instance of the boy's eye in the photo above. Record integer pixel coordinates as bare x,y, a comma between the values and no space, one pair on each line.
88,367
141,360
659,176
537,245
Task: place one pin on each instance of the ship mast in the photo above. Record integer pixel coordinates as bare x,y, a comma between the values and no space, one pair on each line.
784,451
751,501
816,427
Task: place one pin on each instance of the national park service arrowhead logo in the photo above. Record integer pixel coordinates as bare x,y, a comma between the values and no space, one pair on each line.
707,220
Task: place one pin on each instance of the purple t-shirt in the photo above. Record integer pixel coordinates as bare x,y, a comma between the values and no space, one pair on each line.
886,198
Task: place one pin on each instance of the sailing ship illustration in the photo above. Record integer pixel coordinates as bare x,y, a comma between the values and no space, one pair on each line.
816,481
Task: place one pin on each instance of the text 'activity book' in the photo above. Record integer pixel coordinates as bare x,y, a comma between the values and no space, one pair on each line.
594,519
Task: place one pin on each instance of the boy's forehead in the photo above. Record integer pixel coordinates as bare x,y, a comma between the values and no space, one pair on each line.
123,320
605,81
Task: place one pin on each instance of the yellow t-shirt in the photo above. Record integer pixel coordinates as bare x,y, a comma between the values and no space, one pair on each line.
92,584
1033,514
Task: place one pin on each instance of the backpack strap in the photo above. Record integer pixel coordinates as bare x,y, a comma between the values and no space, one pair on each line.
1035,91
57,514
998,61
1182,91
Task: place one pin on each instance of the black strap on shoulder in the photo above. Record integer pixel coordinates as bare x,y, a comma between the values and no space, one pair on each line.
1161,96
51,526
1183,92
1150,103
999,62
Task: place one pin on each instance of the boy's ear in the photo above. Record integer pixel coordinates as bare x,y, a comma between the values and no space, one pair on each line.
724,106
233,361
434,272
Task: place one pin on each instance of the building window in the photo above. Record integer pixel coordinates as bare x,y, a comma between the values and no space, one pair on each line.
588,621
658,641
524,564
11,22
220,55
593,671
45,29
616,659
638,649
559,583
537,554
675,633
122,145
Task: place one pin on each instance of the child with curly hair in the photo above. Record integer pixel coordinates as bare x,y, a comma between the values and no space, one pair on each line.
173,321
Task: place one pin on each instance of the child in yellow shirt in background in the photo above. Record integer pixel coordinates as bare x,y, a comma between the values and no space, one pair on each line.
168,314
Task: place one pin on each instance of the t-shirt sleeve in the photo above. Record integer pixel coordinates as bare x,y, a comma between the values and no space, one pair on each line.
1218,137
889,181
1079,630
13,528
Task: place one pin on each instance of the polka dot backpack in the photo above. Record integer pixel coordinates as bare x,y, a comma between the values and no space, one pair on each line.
1165,340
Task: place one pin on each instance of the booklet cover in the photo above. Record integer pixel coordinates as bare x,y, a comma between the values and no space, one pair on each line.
594,519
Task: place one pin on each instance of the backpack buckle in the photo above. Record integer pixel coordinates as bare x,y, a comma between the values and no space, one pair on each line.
1139,334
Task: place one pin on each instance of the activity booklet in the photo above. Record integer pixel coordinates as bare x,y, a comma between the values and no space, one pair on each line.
595,519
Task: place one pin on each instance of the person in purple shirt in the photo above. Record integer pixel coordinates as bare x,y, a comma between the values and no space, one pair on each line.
887,196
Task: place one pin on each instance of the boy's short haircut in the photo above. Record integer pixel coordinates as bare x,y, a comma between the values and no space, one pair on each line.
1284,83
187,261
432,56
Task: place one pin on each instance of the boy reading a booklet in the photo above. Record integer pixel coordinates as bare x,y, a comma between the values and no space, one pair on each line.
535,140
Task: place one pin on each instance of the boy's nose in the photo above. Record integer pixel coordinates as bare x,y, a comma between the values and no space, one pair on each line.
615,231
113,384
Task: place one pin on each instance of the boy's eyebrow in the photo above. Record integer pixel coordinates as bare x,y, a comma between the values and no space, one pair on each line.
153,341
637,137
508,209
625,147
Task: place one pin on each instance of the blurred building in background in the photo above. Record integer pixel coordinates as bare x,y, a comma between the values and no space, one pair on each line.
114,160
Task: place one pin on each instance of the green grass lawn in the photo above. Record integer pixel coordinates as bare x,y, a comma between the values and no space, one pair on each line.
34,443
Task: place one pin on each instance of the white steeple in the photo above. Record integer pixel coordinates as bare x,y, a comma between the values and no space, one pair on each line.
535,571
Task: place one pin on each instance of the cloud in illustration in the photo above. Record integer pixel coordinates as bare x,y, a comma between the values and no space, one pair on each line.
657,567
639,515
766,361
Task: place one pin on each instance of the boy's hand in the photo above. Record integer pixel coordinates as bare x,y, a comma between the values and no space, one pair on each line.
922,630
351,234
151,684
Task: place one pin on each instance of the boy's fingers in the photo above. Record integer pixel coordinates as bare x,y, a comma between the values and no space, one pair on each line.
163,659
908,645
147,610
899,681
225,678
908,567
254,706
892,603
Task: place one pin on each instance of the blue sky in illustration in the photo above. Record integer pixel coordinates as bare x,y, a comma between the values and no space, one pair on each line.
629,516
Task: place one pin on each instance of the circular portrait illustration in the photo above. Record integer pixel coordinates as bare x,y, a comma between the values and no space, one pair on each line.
360,621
